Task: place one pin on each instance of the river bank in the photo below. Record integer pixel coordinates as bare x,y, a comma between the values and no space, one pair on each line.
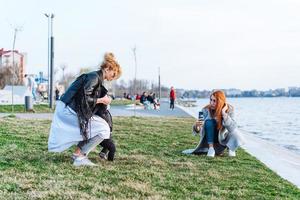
149,165
283,162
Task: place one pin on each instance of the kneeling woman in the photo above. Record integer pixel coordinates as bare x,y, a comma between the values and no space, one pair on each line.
75,121
218,130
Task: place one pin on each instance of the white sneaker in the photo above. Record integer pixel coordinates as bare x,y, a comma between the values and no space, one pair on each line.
103,155
211,152
74,156
83,161
231,153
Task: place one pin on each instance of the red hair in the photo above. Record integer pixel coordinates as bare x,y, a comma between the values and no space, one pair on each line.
217,113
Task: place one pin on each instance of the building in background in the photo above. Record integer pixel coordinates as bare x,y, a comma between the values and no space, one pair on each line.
6,61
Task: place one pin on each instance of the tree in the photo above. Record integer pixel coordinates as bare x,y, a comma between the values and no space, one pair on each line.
63,67
121,87
10,75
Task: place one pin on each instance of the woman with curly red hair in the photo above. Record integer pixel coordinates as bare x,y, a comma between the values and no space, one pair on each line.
79,117
218,130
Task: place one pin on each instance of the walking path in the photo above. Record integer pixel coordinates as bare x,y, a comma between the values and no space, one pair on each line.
116,111
140,112
30,115
283,162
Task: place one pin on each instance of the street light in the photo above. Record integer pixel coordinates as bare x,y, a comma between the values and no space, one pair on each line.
159,87
50,17
13,68
134,83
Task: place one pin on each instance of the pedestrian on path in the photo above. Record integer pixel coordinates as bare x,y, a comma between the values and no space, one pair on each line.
31,85
74,121
172,98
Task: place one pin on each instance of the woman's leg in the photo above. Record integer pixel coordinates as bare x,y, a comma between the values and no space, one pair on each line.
235,140
210,131
104,148
90,144
83,149
172,104
210,134
110,146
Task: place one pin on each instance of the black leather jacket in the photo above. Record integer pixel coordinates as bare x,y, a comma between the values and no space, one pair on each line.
91,85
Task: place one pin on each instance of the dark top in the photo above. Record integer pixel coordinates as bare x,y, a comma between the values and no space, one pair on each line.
150,99
86,86
143,99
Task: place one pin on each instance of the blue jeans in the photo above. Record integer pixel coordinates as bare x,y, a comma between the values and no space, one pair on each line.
33,94
211,131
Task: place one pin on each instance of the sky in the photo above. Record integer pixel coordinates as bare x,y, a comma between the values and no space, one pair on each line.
196,44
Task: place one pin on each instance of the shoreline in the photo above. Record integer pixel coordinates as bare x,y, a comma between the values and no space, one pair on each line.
283,162
148,165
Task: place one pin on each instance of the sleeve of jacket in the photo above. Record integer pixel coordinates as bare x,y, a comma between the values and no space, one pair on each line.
228,122
90,84
194,130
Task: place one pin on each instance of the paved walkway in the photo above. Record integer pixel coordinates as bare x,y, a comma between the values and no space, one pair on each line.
30,115
140,112
283,162
117,111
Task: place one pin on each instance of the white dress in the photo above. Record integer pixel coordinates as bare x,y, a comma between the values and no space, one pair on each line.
65,131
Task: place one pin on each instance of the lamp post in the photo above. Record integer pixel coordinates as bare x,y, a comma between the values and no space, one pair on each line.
50,17
159,87
134,83
13,68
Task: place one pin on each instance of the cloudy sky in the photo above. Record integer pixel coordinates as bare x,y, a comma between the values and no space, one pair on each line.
198,44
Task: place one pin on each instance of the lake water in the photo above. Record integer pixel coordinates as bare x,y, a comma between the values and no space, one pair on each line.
274,119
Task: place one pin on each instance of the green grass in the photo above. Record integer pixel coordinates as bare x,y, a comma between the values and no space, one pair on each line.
39,108
44,108
148,165
120,102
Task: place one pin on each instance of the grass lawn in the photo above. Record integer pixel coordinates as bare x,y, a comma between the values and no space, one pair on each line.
44,108
148,165
121,102
38,108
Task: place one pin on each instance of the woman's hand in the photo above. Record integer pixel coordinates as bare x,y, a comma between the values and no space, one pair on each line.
198,125
105,100
224,110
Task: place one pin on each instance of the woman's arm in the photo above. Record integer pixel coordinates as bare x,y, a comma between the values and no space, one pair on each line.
196,129
92,81
105,100
228,119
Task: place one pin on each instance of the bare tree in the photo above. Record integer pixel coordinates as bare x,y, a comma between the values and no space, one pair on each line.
85,70
63,67
6,74
69,78
142,85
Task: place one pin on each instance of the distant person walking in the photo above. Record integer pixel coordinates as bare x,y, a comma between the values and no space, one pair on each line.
172,98
31,85
56,94
218,128
76,120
